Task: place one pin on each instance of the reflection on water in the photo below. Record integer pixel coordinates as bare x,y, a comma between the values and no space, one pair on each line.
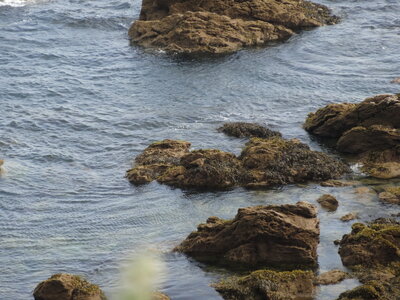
78,103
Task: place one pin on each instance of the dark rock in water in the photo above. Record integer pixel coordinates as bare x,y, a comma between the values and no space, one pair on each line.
370,129
328,202
266,284
189,26
242,129
371,245
331,277
276,161
263,163
67,287
286,235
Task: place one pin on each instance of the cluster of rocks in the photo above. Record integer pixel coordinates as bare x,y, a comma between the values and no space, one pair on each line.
264,162
190,26
370,130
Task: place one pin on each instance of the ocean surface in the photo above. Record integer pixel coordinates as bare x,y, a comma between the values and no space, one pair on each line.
78,103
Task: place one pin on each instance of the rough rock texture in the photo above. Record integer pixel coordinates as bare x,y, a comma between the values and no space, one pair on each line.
370,245
67,287
242,129
266,284
331,277
276,161
222,26
370,129
285,235
263,163
328,202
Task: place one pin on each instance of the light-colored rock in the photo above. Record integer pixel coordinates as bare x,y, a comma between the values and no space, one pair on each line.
328,202
348,217
331,277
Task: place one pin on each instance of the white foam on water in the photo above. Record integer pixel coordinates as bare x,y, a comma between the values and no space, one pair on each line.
16,3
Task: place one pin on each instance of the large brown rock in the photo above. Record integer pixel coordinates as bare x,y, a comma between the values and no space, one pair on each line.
67,287
286,235
263,163
267,284
190,26
370,129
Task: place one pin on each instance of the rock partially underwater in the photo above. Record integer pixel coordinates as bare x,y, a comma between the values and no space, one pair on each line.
67,287
243,129
262,163
273,235
190,26
369,130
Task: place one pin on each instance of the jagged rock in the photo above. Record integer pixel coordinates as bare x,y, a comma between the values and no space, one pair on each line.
331,277
272,235
242,129
370,245
328,202
276,161
370,129
348,217
266,284
67,287
263,163
338,183
224,26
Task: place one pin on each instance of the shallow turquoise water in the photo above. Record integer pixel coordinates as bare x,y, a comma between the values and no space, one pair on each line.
78,103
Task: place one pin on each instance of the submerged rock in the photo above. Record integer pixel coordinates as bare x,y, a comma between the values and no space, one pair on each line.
331,277
339,183
242,129
370,129
285,235
328,202
263,163
189,26
266,284
67,287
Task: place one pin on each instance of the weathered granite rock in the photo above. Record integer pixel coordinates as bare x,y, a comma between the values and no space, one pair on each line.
67,287
328,202
222,26
263,163
370,129
285,235
331,277
266,284
242,129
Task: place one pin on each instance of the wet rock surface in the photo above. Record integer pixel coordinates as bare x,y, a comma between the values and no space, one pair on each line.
67,287
263,163
242,129
390,194
266,284
328,202
225,26
272,235
331,277
370,130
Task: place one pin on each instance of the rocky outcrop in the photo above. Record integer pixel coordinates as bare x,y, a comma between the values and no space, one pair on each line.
374,290
370,129
266,284
286,235
328,202
189,26
331,277
67,287
263,163
242,129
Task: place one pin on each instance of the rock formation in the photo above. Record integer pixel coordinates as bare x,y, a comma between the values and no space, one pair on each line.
189,26
390,194
67,287
263,163
286,235
266,284
331,277
328,202
370,129
242,129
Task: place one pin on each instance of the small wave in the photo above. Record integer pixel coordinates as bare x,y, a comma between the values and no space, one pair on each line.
16,3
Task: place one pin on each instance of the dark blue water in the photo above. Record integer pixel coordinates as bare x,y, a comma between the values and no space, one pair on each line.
78,103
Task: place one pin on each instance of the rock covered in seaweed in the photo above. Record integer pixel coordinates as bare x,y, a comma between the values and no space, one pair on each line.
263,163
267,284
242,129
273,235
67,287
189,26
370,129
